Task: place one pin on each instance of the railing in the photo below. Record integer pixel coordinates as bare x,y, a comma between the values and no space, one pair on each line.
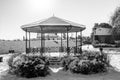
54,49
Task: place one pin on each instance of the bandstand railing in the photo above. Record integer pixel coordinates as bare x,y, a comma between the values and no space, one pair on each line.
54,49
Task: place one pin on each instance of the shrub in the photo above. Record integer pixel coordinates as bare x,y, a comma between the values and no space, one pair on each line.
10,60
90,62
28,66
80,66
73,66
66,62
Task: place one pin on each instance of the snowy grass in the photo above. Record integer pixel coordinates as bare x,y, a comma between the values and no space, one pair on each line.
61,75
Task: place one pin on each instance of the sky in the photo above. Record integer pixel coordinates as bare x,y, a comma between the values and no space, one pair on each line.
15,13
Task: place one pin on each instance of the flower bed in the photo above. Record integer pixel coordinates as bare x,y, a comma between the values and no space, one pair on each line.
28,65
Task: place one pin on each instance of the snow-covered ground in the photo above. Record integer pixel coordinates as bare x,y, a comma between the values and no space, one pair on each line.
3,65
113,57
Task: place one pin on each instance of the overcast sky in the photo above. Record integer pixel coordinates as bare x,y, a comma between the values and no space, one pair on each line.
14,13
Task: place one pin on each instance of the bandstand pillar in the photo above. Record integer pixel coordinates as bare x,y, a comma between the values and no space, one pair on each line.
76,44
61,44
29,42
26,42
42,50
41,43
67,42
81,42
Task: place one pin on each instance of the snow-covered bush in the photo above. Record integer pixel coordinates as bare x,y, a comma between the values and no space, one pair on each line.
28,65
66,62
90,62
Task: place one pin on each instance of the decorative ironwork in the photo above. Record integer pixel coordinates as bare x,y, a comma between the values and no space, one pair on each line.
54,49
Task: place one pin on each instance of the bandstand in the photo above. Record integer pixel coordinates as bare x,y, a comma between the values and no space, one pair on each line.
53,25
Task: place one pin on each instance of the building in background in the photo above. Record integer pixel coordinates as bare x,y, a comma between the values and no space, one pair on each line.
102,34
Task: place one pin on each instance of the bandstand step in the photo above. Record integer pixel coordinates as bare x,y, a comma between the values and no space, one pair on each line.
54,61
